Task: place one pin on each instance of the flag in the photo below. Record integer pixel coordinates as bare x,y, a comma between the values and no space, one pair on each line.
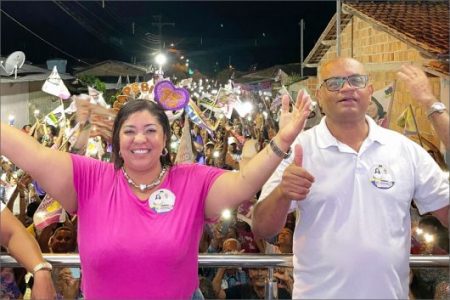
380,107
185,154
195,114
226,100
277,101
96,97
49,211
119,83
407,121
55,86
315,116
278,75
55,116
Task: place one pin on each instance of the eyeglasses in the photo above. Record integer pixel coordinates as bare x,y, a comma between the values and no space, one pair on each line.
334,84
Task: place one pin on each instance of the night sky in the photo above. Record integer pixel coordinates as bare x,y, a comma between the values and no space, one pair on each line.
211,34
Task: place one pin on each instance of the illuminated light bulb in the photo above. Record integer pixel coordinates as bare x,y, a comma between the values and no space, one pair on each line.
11,119
160,59
429,238
226,214
216,154
419,231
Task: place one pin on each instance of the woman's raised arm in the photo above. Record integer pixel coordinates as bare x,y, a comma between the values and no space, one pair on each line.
51,168
233,188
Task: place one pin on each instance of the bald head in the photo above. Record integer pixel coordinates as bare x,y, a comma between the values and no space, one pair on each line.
325,71
346,95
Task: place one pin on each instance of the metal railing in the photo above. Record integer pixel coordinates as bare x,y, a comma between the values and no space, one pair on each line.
232,260
242,260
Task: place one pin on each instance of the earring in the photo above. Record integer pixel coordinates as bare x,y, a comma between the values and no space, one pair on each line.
165,152
120,154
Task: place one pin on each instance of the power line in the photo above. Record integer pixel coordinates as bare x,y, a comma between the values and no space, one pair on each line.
97,31
42,39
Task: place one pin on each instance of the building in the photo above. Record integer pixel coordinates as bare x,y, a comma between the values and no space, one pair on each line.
21,96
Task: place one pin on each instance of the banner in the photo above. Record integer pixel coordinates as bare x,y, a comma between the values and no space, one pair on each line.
256,87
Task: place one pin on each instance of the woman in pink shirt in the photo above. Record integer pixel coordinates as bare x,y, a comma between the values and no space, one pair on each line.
141,217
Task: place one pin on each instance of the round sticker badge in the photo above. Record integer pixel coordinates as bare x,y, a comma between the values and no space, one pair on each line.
161,201
381,177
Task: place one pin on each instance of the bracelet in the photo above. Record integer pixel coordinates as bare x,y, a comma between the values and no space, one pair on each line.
42,266
280,153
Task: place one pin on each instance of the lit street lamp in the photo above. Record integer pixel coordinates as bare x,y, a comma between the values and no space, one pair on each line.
160,60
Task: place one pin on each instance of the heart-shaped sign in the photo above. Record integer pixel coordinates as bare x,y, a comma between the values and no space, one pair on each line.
169,96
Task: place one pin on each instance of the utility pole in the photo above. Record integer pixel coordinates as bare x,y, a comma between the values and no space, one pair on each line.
338,28
302,28
159,24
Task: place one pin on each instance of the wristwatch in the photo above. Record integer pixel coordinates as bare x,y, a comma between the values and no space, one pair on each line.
436,107
42,266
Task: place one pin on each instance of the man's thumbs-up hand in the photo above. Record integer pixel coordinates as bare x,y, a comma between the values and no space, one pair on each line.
296,181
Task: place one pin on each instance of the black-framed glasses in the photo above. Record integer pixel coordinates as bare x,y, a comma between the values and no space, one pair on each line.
334,84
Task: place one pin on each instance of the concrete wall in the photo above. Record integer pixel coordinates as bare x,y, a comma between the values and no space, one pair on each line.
22,99
14,101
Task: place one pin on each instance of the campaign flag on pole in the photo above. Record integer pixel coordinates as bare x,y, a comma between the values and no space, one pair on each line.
380,106
185,154
407,121
119,82
195,114
55,86
55,116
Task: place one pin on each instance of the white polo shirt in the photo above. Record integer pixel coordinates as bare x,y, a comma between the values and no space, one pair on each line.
352,239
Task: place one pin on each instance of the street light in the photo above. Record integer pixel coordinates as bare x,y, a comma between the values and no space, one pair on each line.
160,60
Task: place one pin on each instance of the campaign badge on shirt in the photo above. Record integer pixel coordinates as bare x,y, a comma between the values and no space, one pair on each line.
161,201
381,177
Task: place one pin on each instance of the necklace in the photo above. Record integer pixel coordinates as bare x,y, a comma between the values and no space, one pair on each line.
144,187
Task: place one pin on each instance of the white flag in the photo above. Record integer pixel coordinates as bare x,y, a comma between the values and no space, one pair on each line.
55,86
379,108
185,154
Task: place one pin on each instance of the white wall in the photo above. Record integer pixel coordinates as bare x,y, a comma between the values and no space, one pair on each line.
14,101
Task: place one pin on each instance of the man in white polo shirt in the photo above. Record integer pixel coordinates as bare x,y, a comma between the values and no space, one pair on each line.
353,182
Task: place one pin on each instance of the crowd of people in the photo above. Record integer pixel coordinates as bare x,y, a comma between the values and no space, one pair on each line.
150,217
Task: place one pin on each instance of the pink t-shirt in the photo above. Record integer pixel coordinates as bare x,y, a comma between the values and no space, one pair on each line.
127,249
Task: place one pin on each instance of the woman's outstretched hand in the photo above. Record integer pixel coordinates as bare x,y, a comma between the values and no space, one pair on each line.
292,123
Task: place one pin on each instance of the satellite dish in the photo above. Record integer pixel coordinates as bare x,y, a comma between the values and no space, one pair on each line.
13,62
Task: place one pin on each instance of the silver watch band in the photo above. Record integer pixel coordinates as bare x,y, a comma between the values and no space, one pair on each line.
436,107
